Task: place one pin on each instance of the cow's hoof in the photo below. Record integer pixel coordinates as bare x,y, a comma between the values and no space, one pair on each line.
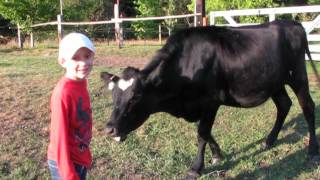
266,146
191,174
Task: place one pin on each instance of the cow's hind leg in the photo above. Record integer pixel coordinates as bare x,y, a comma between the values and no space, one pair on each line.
204,137
299,84
301,89
283,104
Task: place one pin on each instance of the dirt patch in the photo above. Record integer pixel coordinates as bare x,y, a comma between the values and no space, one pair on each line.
117,61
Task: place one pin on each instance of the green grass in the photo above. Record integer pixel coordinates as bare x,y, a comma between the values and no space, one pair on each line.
163,148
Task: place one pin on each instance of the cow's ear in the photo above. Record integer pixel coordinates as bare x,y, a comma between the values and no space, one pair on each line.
109,79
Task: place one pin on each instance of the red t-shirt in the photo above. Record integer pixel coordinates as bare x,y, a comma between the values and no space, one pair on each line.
71,126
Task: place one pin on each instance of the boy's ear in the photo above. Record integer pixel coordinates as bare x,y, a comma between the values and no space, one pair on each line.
61,61
109,79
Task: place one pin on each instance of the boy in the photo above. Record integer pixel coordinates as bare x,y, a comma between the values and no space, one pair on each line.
69,155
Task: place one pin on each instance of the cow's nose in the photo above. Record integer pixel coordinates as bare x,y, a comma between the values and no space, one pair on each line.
111,131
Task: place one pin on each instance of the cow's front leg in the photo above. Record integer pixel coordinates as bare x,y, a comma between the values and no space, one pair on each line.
198,163
204,137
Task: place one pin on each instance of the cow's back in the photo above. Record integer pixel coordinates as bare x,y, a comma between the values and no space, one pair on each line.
244,65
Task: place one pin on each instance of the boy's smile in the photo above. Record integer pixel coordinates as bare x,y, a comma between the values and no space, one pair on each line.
80,65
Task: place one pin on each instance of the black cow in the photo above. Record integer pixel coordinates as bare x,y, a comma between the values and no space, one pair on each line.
201,68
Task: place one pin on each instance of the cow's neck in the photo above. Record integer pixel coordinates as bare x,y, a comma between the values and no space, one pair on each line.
179,103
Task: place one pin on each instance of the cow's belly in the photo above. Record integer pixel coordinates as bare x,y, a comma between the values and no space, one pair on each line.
254,88
249,100
246,96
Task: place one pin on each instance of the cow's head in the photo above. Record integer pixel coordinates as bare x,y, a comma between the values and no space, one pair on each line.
130,102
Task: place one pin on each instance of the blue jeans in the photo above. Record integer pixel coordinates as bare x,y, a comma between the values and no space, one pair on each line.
81,170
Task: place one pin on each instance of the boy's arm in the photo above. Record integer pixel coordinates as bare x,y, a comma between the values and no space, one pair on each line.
60,116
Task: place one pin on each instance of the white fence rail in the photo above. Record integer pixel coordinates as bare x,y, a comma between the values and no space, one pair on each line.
272,12
116,21
119,20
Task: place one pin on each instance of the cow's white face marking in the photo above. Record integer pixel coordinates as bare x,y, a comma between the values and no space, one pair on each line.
123,84
111,85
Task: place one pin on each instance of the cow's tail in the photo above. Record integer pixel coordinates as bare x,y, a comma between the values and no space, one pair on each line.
312,63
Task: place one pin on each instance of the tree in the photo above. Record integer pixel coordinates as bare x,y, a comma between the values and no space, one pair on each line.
127,8
292,2
313,1
85,10
27,12
220,5
174,7
147,8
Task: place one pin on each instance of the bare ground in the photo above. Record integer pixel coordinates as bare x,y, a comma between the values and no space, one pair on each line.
117,61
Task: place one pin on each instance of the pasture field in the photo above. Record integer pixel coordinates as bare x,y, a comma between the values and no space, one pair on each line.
163,148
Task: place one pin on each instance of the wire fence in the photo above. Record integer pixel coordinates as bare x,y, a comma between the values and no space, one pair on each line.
102,33
154,34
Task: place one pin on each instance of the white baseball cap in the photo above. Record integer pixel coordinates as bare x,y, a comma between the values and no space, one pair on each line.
70,44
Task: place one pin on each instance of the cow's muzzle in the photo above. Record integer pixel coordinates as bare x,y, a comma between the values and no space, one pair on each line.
111,131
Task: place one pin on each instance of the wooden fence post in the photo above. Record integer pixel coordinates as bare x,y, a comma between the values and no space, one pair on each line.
195,16
117,26
160,40
60,29
20,40
121,37
31,40
200,8
204,21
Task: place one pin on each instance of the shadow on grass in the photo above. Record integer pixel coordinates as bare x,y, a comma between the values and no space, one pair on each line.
291,166
5,64
9,50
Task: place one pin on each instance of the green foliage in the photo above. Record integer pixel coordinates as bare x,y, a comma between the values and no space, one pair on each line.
27,12
80,10
147,8
220,5
314,1
238,4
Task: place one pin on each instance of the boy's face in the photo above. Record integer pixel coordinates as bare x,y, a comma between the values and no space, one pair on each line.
80,66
